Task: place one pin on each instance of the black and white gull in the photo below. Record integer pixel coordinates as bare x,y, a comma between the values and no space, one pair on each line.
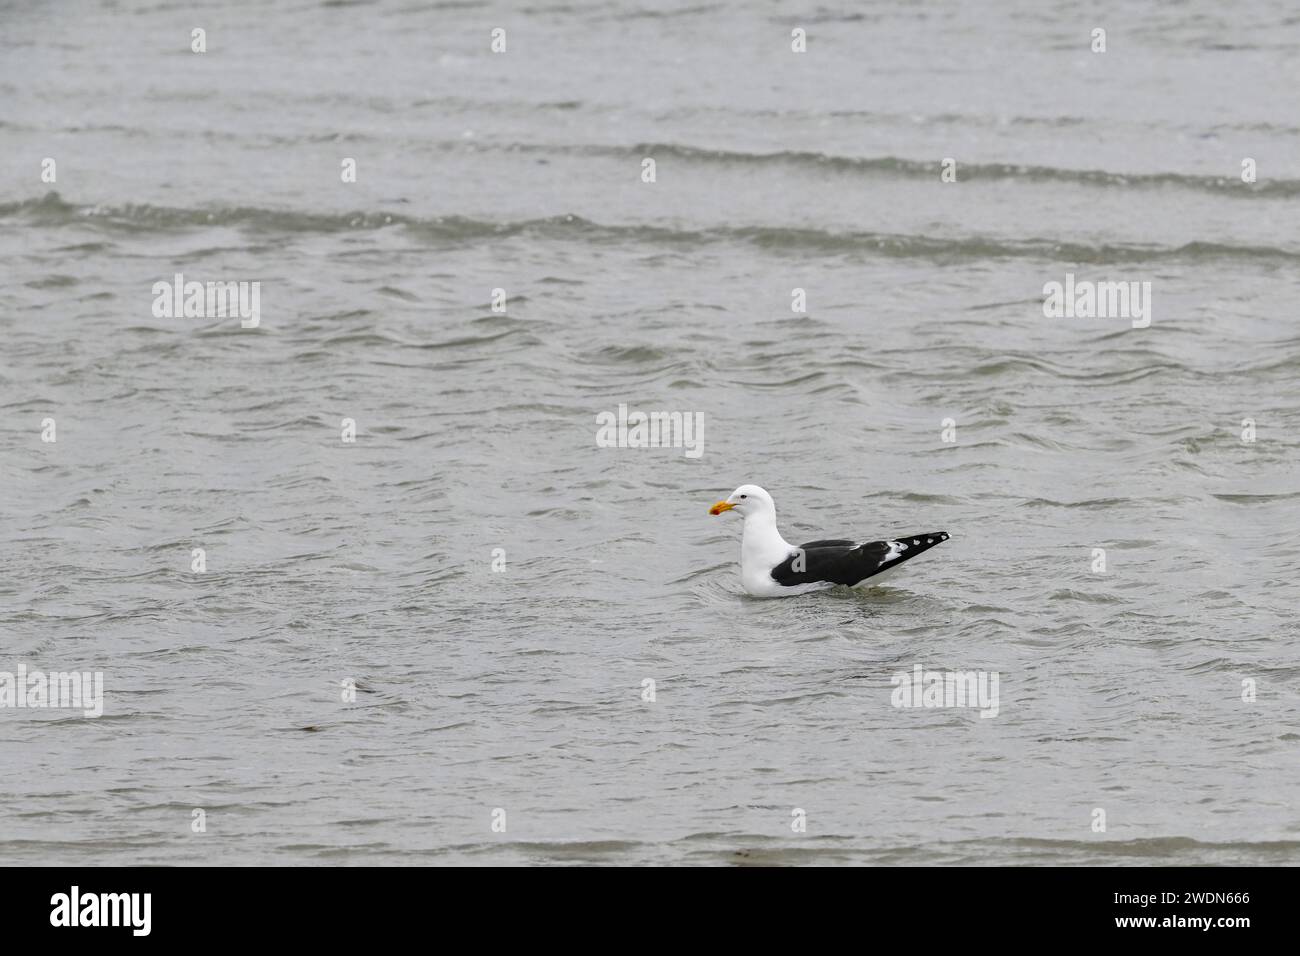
772,567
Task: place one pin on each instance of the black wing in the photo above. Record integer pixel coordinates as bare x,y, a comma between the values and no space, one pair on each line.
847,562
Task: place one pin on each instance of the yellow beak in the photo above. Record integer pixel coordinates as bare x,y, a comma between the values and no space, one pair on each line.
720,507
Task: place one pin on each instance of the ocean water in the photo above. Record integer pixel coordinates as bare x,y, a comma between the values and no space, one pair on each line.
496,585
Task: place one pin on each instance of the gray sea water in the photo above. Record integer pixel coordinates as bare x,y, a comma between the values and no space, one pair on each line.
1163,690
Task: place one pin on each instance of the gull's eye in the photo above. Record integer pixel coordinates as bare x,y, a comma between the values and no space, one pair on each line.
743,497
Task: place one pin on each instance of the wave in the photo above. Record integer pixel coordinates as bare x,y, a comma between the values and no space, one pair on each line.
52,210
968,172
809,161
1230,187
